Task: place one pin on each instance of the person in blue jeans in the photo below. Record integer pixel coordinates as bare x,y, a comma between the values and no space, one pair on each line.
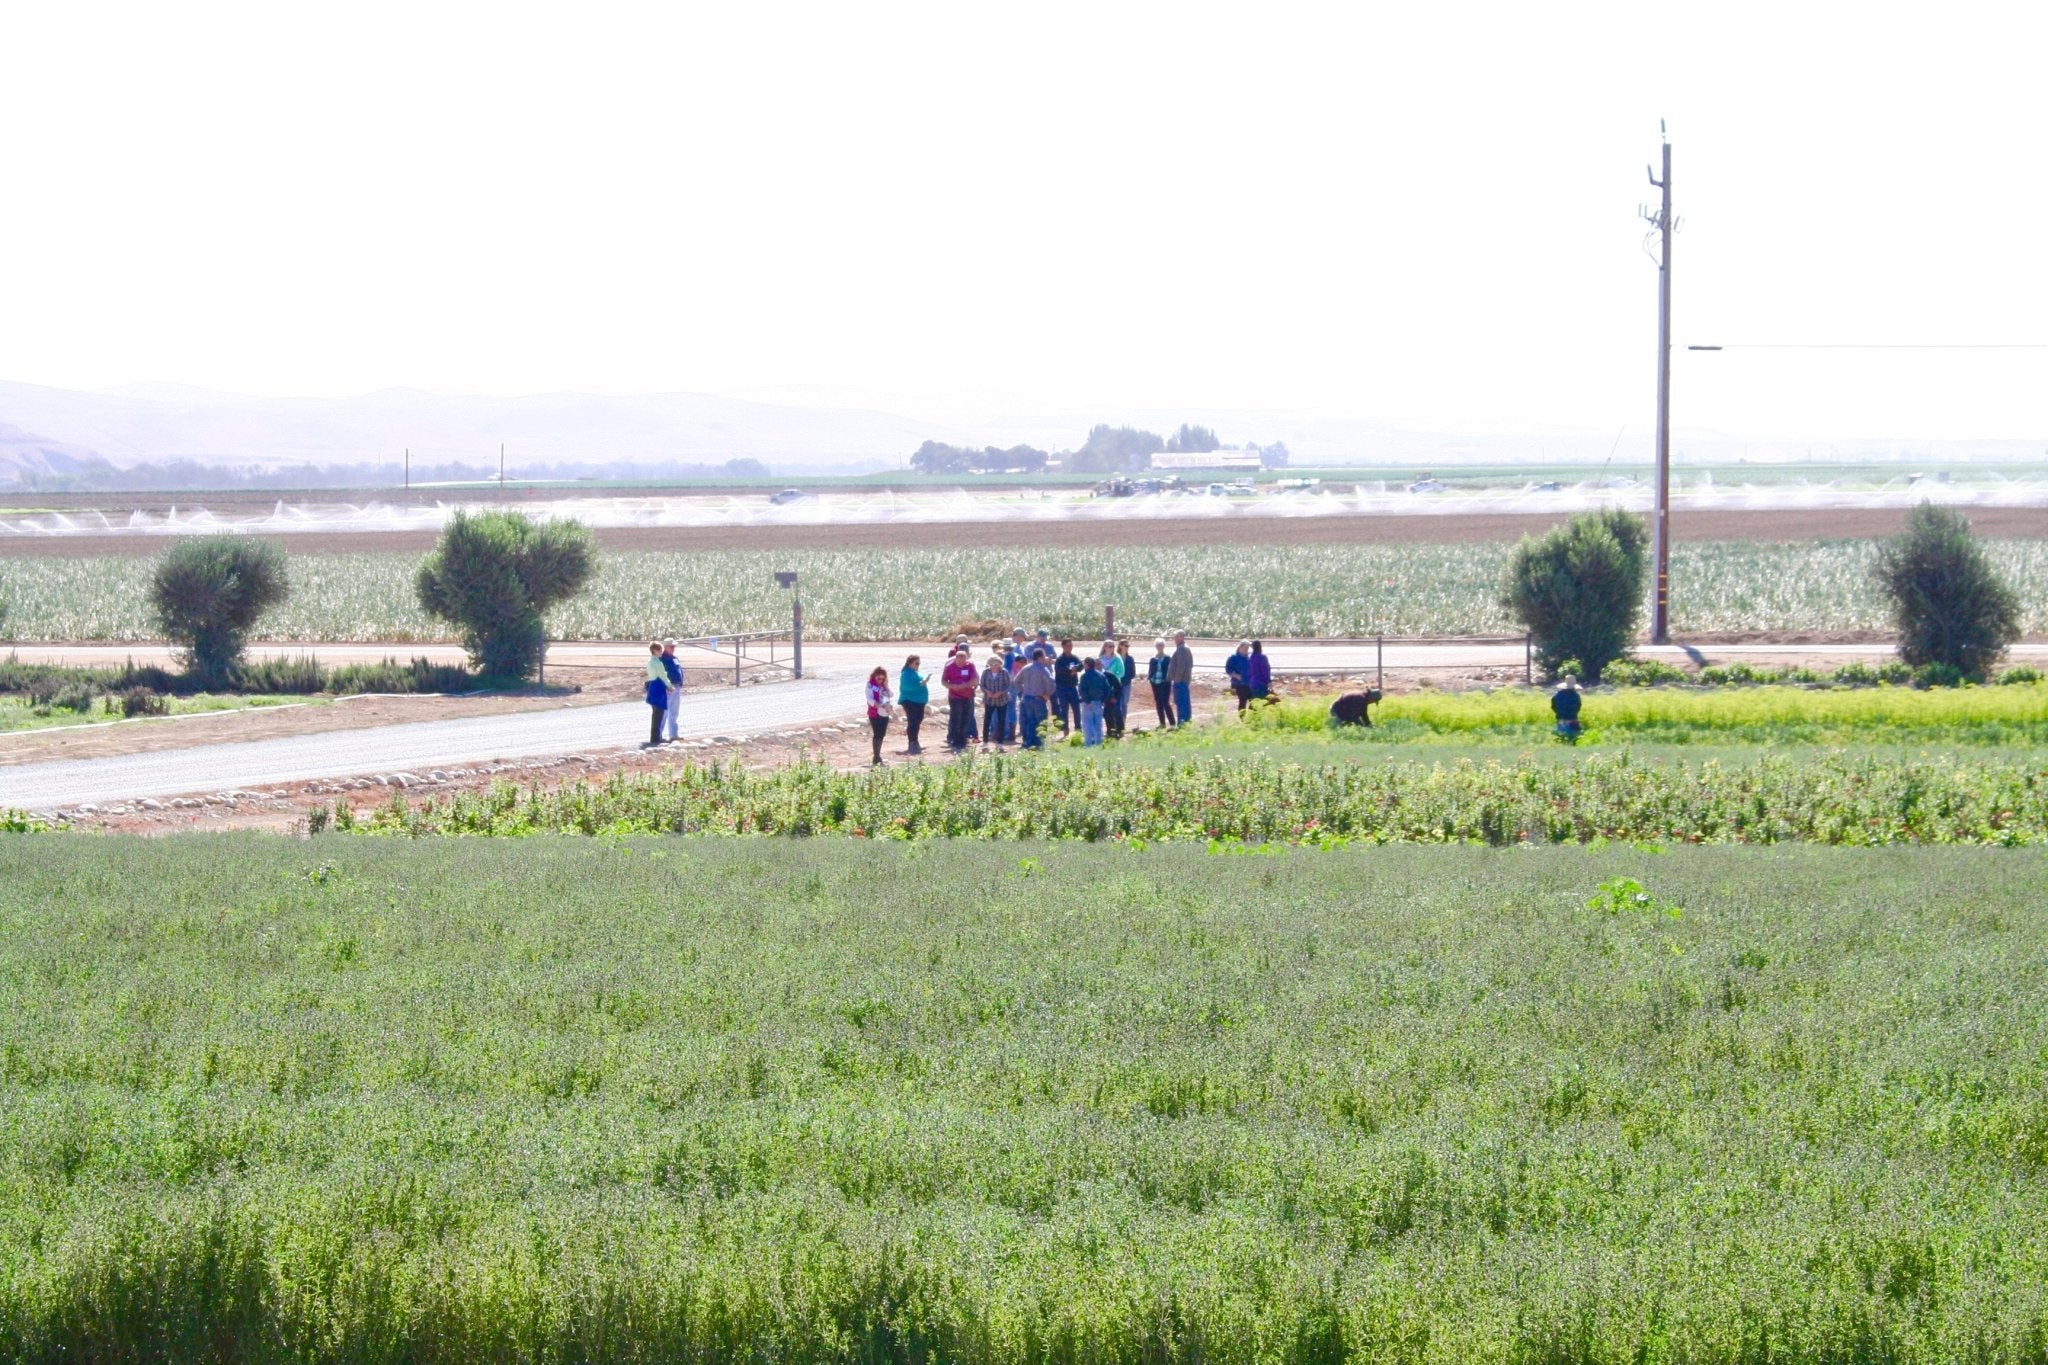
1066,687
1180,671
1095,688
1034,687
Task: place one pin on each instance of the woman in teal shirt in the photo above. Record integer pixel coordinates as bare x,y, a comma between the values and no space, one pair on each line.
911,695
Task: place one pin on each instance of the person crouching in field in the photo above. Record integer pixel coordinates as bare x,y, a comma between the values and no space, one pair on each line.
1095,688
1034,689
995,701
1564,704
878,709
657,693
672,722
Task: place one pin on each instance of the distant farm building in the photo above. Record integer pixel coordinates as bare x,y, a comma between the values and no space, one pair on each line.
1234,460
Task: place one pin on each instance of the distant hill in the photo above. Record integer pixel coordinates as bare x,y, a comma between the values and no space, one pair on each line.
24,455
156,422
191,437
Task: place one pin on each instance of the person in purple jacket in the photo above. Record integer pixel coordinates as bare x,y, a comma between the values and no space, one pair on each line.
1258,672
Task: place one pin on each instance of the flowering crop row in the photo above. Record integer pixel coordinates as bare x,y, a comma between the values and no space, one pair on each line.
1828,799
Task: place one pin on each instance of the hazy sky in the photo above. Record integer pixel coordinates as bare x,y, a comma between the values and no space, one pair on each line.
1414,212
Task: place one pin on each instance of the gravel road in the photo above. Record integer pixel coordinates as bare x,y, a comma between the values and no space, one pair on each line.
420,746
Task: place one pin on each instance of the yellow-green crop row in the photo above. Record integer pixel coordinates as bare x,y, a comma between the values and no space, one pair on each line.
2016,713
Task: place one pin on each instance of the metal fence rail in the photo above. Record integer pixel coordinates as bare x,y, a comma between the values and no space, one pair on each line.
1376,646
754,655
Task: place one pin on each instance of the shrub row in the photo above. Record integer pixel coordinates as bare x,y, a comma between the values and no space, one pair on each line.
78,689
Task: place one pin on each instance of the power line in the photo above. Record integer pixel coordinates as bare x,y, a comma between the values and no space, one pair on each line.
1875,346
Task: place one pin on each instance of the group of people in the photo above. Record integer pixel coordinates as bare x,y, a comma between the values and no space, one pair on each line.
1026,684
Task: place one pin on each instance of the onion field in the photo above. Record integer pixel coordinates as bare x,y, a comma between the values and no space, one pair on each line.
912,593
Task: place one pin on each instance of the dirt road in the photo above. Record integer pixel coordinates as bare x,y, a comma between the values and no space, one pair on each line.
417,748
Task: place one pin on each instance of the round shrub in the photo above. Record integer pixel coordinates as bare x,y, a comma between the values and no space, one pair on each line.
1579,590
1951,608
208,593
495,574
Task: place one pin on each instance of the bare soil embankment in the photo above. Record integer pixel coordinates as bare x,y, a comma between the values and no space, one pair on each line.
1235,527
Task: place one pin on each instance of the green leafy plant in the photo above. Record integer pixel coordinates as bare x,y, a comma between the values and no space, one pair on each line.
1626,895
1579,590
208,594
495,575
1950,605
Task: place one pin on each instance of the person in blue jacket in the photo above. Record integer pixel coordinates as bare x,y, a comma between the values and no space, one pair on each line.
1095,688
1234,668
657,693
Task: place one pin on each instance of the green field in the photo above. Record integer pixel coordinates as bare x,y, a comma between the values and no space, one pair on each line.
769,1100
1278,591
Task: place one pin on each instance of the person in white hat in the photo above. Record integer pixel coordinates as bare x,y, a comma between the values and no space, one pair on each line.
671,724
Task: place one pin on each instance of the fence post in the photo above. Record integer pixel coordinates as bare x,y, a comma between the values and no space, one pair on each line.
1109,621
796,636
739,652
1380,681
1529,659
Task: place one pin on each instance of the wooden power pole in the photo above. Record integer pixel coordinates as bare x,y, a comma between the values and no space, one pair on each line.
1660,607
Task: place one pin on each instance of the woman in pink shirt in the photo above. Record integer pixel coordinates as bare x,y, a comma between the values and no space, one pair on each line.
878,708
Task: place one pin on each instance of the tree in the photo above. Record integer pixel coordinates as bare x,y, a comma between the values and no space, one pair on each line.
1951,607
1193,440
209,592
1111,450
1579,589
936,457
496,574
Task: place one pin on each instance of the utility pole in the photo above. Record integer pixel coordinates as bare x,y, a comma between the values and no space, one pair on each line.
1660,607
408,469
501,444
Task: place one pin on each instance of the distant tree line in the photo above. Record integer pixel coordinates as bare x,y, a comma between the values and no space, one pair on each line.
1108,450
936,457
